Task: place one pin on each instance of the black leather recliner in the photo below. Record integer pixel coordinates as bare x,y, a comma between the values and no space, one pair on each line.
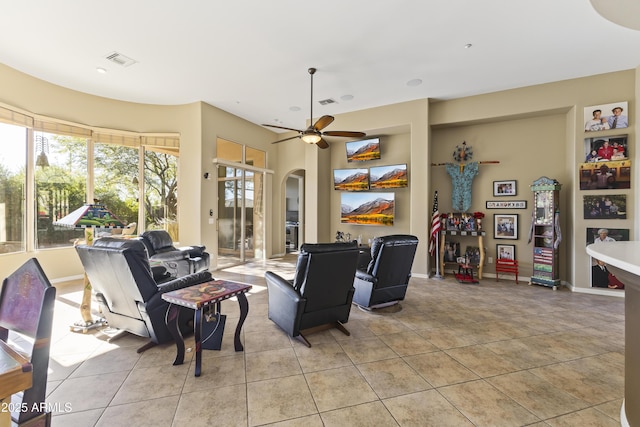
178,261
321,292
129,296
385,280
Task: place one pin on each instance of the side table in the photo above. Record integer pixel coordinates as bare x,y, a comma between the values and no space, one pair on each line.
198,297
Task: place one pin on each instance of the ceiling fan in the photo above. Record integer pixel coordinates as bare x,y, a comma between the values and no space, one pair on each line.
313,134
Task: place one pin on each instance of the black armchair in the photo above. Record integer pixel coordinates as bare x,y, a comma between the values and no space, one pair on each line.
129,296
321,292
385,280
178,261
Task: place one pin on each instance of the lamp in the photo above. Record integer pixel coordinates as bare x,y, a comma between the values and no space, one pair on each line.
311,136
89,218
42,145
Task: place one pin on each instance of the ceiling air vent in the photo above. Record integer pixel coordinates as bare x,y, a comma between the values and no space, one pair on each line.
120,59
326,101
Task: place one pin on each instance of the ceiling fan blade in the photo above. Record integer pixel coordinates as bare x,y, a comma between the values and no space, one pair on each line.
344,133
286,139
323,122
282,127
322,144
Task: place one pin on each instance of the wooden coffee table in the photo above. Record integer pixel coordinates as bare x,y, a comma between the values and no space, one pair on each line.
199,297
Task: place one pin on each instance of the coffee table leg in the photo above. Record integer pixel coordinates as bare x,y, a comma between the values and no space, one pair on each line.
171,320
244,310
197,332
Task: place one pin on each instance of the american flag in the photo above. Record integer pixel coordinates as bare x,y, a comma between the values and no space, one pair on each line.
435,225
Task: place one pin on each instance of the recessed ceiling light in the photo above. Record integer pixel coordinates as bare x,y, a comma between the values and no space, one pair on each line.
414,82
294,108
346,97
468,46
101,70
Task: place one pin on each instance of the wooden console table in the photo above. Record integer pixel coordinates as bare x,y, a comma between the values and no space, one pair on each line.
199,297
478,234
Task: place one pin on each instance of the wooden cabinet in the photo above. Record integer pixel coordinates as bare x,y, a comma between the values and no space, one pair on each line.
546,232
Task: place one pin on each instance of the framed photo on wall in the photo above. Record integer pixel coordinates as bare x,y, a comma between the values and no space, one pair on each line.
507,252
606,116
504,188
605,206
505,226
599,235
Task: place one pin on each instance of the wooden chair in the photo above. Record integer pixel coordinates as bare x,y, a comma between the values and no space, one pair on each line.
507,266
26,317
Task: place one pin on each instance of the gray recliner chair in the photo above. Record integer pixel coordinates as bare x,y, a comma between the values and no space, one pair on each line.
385,280
178,261
321,292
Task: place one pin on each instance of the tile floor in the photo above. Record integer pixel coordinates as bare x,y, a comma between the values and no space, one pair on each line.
493,354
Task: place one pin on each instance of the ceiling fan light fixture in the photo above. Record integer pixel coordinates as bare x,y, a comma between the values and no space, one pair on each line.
311,138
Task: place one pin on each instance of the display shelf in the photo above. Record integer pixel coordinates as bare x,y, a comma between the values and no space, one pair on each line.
545,232
445,235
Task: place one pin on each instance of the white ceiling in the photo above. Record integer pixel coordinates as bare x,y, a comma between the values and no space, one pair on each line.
250,57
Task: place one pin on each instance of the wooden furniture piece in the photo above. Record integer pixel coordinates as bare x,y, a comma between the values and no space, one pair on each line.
26,318
451,233
15,376
506,266
546,232
622,260
198,298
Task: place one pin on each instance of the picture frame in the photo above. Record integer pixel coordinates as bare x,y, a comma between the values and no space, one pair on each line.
364,150
604,121
504,188
605,206
390,176
505,226
367,208
611,234
351,179
506,204
507,252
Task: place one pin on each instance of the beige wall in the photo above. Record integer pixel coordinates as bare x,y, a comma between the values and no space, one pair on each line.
532,131
198,124
537,131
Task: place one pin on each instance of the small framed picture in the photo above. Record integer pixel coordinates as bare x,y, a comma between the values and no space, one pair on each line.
505,226
504,188
507,252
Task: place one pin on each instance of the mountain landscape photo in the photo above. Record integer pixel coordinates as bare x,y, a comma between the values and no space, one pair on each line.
394,176
351,179
368,209
368,149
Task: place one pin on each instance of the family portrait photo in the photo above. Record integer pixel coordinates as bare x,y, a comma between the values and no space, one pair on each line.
504,188
505,226
606,116
609,206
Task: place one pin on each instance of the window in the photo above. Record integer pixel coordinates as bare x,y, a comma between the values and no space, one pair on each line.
161,192
115,177
48,169
60,171
13,160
